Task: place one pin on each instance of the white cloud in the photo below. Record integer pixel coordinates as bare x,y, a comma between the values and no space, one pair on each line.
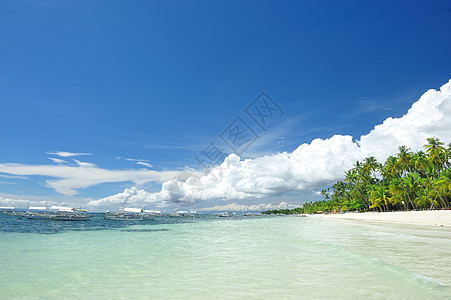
70,178
316,164
13,176
84,164
135,159
131,197
6,182
255,207
57,160
23,203
144,164
67,154
138,161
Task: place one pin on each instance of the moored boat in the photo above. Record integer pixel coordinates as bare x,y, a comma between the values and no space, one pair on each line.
57,213
125,214
183,214
226,214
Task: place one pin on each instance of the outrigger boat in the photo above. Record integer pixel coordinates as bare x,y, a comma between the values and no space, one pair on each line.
57,213
11,211
226,214
152,213
6,209
126,214
184,214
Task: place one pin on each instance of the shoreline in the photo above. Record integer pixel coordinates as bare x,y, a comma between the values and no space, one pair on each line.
436,218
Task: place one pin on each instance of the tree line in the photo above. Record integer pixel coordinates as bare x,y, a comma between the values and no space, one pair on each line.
406,181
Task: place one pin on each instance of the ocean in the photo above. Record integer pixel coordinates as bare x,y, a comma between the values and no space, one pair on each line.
264,257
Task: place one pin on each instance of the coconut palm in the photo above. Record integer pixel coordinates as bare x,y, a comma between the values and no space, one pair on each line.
353,179
436,153
371,166
444,185
380,196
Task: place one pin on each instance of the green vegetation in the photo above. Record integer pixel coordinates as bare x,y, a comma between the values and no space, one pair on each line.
406,181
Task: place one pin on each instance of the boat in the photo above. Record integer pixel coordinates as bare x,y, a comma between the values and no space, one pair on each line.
184,214
152,213
57,213
6,209
250,214
226,214
125,214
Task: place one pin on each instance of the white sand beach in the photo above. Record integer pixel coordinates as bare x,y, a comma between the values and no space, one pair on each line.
428,218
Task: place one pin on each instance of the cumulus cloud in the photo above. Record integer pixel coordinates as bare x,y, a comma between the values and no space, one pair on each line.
131,197
312,165
67,154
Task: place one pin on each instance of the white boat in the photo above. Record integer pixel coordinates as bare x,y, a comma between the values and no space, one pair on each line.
6,209
250,214
10,211
57,213
226,214
125,214
184,214
152,213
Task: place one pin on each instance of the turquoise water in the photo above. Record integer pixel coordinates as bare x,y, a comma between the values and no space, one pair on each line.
223,258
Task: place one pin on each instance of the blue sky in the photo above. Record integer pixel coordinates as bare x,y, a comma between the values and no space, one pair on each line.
159,80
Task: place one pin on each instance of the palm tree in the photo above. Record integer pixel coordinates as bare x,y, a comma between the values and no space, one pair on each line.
444,185
371,166
404,157
380,196
397,191
436,153
398,165
424,164
352,178
411,184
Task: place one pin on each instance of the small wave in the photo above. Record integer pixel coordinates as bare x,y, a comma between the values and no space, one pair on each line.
144,230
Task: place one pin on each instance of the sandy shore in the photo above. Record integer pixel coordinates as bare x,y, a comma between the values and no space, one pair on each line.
428,218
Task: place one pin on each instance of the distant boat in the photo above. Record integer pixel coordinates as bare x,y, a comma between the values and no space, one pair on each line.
152,213
10,211
251,214
126,214
226,214
57,213
6,209
184,214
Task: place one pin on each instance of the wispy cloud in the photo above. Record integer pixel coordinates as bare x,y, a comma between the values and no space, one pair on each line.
84,164
144,164
67,154
71,178
13,176
138,161
133,159
57,160
6,182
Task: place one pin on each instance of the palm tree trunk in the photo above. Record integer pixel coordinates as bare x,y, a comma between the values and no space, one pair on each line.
440,196
405,190
361,194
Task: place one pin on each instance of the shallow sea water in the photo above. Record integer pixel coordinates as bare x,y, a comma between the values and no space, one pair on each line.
223,258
